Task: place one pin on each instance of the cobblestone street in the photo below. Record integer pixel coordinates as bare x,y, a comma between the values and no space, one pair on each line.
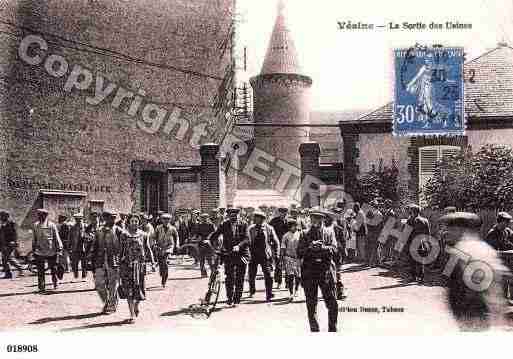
76,307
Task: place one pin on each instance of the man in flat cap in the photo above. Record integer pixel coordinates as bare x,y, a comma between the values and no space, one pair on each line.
318,248
476,281
166,237
148,228
341,235
63,226
500,237
294,214
194,231
279,223
78,245
262,241
47,246
235,245
92,227
8,244
420,227
105,255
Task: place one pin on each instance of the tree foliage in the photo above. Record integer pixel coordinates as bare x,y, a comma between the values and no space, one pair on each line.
380,183
473,181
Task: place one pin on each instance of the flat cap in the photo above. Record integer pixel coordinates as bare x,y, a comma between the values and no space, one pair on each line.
316,211
259,214
504,217
42,211
294,211
78,215
205,215
462,219
196,211
165,216
338,210
340,204
233,211
134,215
283,209
4,212
291,221
108,213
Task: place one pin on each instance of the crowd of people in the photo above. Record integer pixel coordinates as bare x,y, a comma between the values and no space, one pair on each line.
298,247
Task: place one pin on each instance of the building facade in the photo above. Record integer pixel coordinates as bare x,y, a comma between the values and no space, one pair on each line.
108,104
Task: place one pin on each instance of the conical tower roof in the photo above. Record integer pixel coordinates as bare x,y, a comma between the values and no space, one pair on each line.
281,57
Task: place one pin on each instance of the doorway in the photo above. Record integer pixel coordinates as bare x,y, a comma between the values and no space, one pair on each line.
153,192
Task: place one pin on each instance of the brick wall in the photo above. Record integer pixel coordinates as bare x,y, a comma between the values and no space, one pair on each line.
310,168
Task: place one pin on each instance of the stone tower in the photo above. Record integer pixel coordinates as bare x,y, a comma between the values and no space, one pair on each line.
281,95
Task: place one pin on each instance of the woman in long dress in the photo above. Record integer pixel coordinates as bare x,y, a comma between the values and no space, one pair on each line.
290,258
133,265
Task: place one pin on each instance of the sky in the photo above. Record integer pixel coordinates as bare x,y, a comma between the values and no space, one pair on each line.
353,69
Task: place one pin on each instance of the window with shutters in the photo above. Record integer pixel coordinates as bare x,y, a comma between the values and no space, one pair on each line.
429,158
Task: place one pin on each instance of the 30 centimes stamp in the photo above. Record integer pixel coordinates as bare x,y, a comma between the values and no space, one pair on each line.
429,98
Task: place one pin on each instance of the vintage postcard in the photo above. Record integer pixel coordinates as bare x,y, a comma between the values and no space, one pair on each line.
241,168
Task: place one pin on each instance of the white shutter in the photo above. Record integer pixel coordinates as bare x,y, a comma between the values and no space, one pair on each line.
429,157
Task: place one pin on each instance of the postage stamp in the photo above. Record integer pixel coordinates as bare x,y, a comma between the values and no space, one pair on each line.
429,98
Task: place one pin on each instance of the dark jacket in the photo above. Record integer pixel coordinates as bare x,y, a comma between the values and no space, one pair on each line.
280,227
500,240
420,226
8,236
78,239
230,239
317,263
101,250
270,239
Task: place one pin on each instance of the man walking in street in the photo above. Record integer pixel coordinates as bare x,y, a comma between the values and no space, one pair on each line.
235,245
148,228
205,252
318,248
262,240
8,244
341,235
63,227
420,227
105,253
78,245
166,238
47,246
279,223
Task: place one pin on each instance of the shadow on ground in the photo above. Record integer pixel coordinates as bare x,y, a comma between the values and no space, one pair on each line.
67,317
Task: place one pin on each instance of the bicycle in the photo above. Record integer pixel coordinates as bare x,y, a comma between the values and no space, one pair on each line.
209,302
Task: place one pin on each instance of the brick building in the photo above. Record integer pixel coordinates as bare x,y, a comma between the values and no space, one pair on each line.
65,150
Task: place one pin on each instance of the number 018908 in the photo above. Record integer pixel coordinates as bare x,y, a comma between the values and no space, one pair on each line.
22,348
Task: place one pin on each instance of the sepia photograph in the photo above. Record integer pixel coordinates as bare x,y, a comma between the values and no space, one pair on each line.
207,168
